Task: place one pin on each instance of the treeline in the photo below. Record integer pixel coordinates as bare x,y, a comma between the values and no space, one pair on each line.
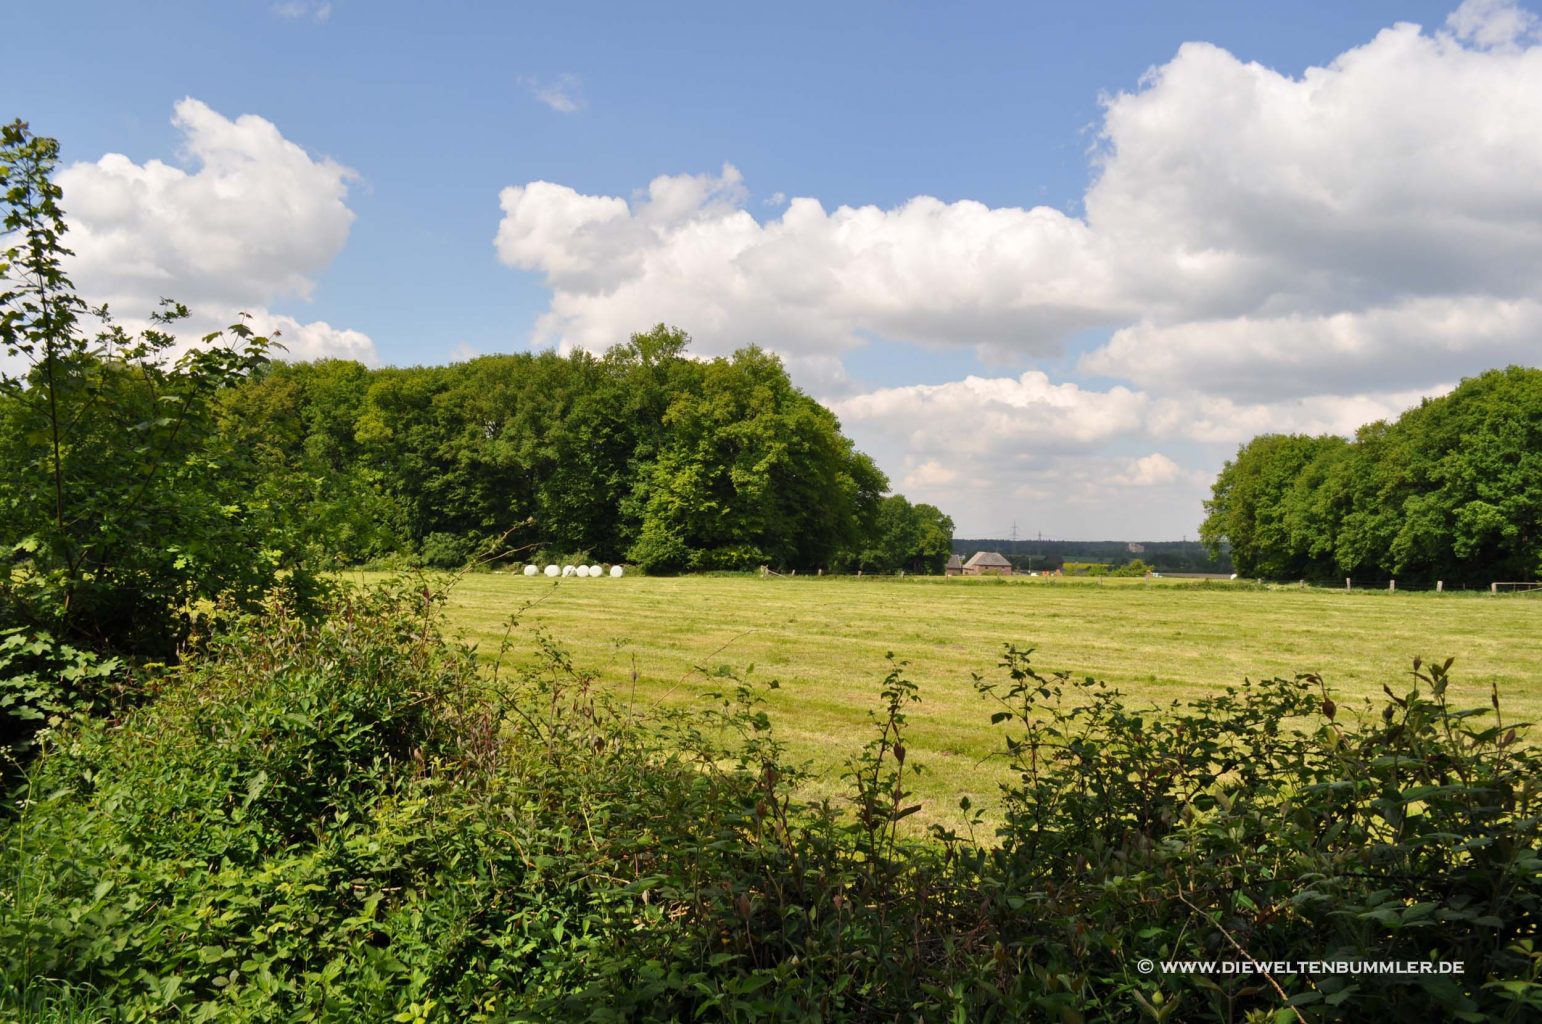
640,455
1161,555
1452,490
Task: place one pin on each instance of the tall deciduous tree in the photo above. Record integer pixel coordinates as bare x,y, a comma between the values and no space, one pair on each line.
752,471
916,538
122,509
1249,500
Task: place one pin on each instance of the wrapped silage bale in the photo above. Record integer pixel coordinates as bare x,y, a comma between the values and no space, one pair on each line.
568,570
552,570
531,570
616,572
582,570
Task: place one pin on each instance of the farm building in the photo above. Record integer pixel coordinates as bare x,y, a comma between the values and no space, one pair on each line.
955,566
987,563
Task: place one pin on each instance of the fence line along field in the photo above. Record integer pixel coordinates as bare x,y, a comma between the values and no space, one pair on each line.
825,641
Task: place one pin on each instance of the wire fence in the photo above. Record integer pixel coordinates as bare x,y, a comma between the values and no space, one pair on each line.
1396,586
1500,588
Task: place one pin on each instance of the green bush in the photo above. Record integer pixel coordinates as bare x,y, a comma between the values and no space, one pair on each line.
226,846
447,550
42,682
1259,825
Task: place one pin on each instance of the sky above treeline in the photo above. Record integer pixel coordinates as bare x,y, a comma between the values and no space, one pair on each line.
1049,264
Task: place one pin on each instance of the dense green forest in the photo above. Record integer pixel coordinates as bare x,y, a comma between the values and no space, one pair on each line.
641,455
1451,490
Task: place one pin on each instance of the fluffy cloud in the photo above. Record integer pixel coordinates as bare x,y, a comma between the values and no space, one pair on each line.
1375,223
251,224
990,450
565,94
687,251
1221,421
1492,23
1413,343
314,340
998,419
1151,470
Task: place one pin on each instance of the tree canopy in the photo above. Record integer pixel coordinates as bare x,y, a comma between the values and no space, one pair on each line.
1451,490
124,507
642,455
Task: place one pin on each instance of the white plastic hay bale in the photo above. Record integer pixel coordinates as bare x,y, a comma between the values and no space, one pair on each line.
532,570
595,570
568,570
552,570
582,570
616,572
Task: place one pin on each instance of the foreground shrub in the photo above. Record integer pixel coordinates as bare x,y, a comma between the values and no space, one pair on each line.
349,821
1258,826
225,846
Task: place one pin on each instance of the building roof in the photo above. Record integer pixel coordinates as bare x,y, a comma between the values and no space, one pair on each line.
988,560
955,562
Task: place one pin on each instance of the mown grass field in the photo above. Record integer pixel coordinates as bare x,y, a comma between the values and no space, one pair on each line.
825,641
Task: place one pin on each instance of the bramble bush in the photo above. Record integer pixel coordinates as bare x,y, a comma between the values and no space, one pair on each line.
354,819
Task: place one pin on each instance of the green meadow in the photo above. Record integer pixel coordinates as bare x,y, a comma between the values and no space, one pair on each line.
825,642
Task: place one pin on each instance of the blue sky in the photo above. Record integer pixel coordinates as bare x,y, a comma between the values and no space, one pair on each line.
987,108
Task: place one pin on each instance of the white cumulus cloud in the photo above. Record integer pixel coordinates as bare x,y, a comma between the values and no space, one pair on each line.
998,418
1493,23
1150,471
687,251
1393,348
989,449
249,223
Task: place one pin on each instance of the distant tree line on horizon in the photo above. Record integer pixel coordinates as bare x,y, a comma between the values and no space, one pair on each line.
1451,490
640,455
1160,555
